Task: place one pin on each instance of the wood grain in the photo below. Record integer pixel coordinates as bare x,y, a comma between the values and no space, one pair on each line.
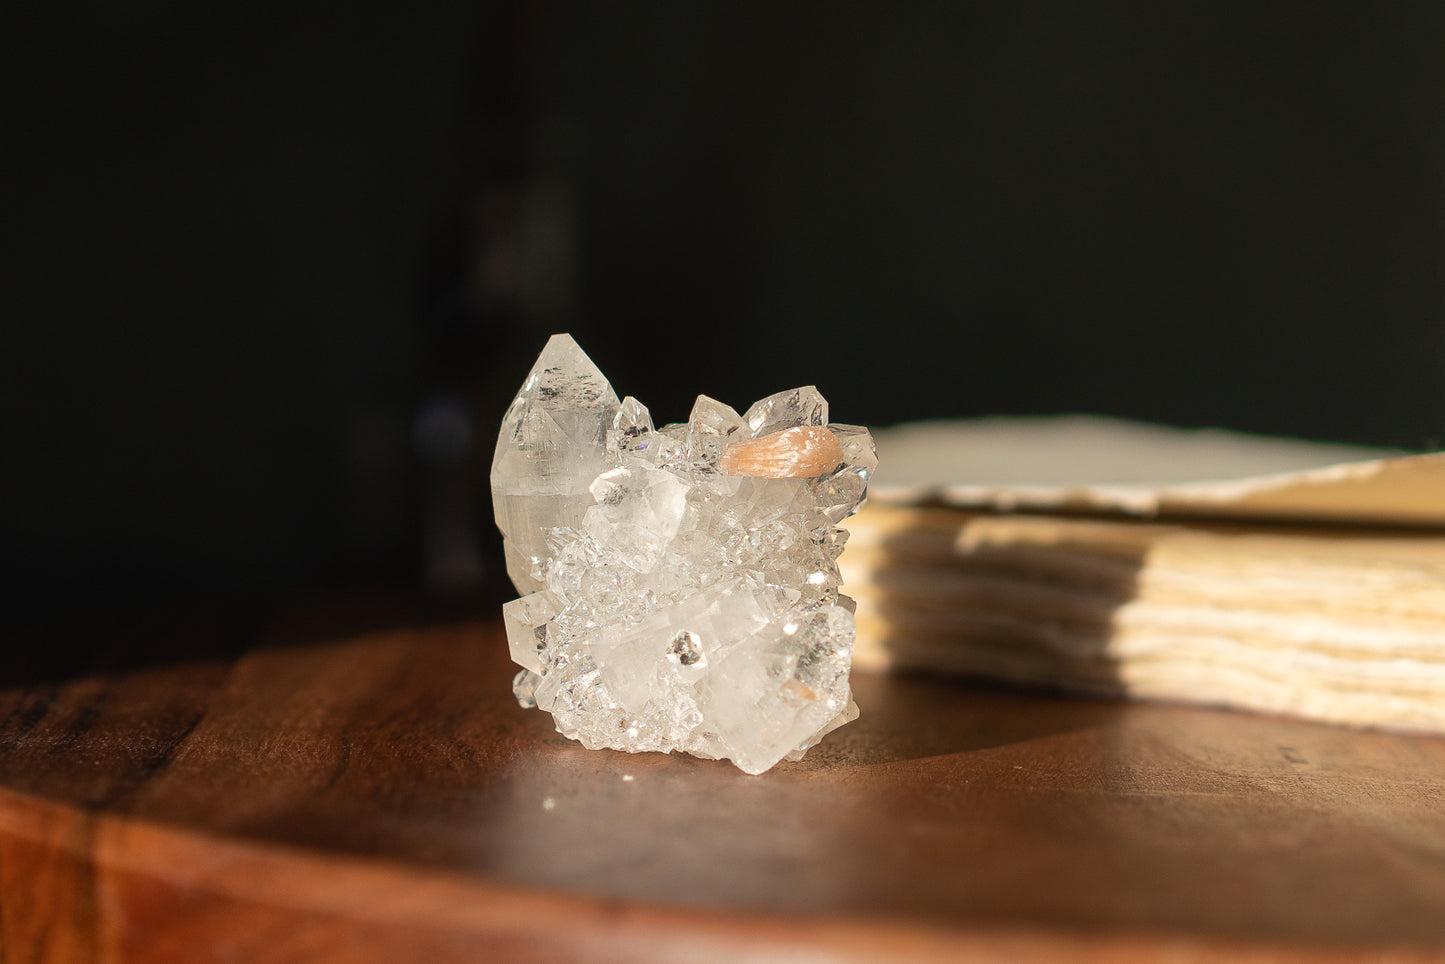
354,782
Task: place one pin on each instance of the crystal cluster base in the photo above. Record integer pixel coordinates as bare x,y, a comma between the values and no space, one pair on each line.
680,585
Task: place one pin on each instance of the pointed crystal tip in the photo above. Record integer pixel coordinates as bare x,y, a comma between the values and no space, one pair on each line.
553,443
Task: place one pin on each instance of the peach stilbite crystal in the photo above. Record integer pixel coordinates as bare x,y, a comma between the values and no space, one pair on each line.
800,452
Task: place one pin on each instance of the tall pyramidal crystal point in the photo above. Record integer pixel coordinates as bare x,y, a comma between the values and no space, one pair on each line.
679,585
553,444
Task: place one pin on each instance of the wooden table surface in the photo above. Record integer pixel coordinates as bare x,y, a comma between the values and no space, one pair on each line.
353,781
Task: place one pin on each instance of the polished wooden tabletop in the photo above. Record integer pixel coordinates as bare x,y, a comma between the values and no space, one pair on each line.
351,780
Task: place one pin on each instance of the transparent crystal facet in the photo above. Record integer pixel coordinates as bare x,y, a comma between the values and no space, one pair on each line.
710,427
797,406
667,604
552,445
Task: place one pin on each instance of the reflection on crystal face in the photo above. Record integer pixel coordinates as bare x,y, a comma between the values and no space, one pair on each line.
686,648
679,585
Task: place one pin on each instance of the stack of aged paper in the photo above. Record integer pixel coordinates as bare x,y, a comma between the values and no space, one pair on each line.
1113,558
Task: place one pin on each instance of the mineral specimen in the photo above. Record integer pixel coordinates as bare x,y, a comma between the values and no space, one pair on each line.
680,585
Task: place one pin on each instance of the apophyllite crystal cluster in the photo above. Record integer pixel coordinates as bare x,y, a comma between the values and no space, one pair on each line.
679,585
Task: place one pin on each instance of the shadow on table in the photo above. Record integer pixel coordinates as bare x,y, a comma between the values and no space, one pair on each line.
910,716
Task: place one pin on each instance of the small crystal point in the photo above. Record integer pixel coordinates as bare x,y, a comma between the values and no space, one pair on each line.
796,406
680,586
710,428
631,429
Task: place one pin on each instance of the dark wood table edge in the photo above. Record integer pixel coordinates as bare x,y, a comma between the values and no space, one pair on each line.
109,887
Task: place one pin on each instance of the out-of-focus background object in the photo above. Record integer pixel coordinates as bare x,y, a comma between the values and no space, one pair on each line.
1085,464
1299,578
269,277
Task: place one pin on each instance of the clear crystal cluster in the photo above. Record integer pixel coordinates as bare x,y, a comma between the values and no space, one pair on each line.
680,585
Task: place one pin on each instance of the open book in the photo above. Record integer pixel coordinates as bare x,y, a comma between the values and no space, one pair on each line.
1113,558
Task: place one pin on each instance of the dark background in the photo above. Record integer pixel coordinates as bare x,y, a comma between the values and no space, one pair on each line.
269,278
